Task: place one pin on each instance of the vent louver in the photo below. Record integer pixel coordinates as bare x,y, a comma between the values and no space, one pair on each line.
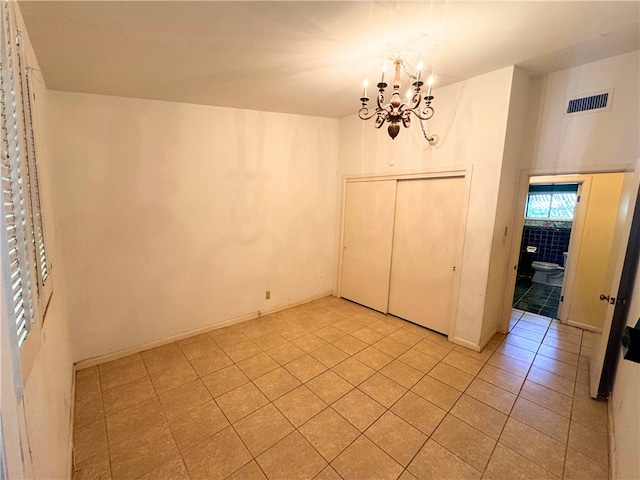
589,104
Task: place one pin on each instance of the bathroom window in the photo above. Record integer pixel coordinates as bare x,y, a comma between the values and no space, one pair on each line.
554,202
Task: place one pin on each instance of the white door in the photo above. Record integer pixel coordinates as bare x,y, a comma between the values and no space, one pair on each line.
425,250
614,273
594,243
368,233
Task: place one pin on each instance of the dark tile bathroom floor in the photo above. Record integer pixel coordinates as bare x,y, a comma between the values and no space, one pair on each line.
537,297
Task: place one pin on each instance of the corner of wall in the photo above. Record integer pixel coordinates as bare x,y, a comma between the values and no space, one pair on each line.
510,166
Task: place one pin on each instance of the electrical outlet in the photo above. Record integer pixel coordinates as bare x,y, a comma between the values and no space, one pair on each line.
267,294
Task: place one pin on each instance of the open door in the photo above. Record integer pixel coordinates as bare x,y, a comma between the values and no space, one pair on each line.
592,243
613,280
621,310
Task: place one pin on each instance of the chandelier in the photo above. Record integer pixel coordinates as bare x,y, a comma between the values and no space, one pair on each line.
396,111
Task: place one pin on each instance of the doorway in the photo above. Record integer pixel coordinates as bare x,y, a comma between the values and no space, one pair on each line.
602,293
580,275
548,223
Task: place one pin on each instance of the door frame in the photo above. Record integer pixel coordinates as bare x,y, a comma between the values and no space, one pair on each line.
439,172
518,220
575,241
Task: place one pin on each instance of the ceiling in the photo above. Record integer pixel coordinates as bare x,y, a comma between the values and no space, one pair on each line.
308,57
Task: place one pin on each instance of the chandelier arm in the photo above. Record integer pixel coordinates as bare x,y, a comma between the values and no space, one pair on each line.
380,98
386,111
416,99
380,120
426,114
364,113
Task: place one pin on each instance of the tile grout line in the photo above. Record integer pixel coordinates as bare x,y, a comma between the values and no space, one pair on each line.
165,416
376,371
296,429
104,418
517,396
573,400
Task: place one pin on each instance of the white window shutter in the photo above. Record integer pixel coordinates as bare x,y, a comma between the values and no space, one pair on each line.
14,190
33,184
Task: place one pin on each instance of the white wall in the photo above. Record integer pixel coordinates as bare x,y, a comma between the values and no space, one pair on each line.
591,140
36,426
508,189
48,389
175,217
589,143
471,120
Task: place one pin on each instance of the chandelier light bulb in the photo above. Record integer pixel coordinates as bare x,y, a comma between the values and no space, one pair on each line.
384,69
365,84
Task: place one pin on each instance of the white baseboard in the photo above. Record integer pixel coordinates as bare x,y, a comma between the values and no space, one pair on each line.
469,345
489,337
473,346
90,362
583,326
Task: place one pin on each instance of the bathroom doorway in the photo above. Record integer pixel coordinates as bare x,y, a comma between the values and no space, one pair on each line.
548,223
580,274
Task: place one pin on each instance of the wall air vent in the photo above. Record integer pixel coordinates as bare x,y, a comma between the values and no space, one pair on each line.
596,102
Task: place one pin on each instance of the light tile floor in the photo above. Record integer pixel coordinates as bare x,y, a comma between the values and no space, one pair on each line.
331,390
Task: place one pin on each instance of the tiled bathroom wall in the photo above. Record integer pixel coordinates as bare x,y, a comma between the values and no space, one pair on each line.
551,240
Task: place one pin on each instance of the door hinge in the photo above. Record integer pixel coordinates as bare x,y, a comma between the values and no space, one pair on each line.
578,199
562,298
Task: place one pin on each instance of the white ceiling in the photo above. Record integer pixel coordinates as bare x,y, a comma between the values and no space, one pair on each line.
308,57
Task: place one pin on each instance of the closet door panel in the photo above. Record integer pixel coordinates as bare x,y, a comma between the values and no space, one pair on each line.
425,250
368,234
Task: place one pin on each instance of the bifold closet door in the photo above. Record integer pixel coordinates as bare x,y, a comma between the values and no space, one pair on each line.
368,233
425,250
